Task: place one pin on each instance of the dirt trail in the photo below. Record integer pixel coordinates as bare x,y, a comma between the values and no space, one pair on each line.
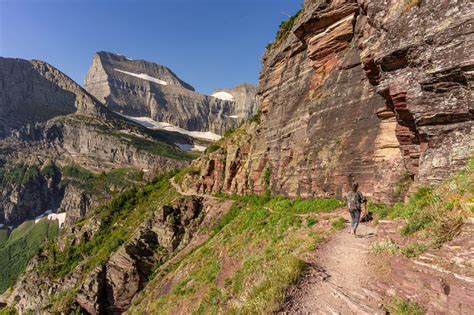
337,279
185,193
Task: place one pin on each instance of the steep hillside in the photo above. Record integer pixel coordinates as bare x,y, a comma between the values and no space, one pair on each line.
141,88
100,263
63,153
344,96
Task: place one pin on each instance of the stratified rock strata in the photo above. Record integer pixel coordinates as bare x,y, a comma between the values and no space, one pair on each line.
346,97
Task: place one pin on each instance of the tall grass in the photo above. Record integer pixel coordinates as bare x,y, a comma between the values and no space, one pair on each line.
23,243
436,213
253,254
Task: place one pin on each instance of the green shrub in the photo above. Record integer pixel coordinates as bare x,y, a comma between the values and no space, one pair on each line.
256,118
267,177
311,221
404,307
338,223
286,26
49,169
229,132
413,249
9,310
213,147
385,246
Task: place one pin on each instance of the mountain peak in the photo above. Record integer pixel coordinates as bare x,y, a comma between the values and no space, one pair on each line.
116,65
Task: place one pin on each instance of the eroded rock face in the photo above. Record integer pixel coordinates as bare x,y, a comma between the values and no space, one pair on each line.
245,99
110,287
426,78
142,88
20,103
440,279
128,269
346,97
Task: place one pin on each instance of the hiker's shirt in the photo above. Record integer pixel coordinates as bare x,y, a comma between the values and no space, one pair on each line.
355,200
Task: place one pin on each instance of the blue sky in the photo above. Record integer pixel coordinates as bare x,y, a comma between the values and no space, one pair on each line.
208,43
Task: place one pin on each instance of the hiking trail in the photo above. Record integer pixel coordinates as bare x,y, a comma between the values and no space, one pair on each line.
185,193
337,278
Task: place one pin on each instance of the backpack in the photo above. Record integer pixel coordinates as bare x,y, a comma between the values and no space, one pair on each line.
354,200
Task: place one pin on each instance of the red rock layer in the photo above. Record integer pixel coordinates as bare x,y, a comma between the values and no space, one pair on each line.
358,91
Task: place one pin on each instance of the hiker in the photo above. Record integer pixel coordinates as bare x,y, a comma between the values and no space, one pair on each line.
355,199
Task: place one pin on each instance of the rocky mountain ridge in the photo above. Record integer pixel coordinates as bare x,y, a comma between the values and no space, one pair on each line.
145,89
48,117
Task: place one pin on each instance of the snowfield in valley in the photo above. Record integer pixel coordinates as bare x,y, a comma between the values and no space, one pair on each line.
61,217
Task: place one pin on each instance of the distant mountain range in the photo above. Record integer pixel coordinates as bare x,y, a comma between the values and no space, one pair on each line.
149,120
141,88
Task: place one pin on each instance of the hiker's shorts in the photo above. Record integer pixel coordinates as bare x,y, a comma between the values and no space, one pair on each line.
355,216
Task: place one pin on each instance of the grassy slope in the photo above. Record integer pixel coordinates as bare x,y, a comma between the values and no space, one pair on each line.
253,254
23,243
119,219
30,236
434,215
4,232
101,185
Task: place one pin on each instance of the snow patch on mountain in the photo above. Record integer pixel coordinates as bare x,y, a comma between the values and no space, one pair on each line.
191,147
143,76
223,96
61,217
156,125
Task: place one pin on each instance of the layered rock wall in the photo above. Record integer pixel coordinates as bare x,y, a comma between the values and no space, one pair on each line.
354,93
419,58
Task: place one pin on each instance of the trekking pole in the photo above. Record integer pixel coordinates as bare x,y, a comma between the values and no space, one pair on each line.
366,218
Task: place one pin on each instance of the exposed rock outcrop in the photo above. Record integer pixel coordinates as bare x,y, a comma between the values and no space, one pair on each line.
345,97
426,78
23,98
245,99
110,287
142,88
441,279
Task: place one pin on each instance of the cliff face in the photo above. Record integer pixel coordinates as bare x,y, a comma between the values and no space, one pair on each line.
245,99
22,94
141,88
346,97
425,77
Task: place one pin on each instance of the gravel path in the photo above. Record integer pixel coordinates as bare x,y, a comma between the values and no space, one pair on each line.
337,278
